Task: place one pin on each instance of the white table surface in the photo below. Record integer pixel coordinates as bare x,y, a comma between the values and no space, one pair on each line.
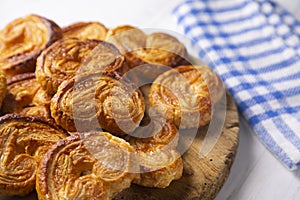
256,174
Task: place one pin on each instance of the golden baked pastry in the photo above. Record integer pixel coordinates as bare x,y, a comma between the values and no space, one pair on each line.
41,98
79,85
155,49
182,95
85,30
37,110
23,143
161,135
214,83
22,40
68,57
3,87
160,162
126,38
159,167
98,100
21,90
25,96
88,166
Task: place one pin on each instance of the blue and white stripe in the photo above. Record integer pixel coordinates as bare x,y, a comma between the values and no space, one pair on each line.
254,45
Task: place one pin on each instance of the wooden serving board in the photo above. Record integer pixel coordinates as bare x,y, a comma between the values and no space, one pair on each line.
202,177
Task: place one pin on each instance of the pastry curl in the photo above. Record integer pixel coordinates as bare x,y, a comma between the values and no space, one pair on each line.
98,99
25,96
87,166
22,40
85,30
183,96
157,135
155,49
23,143
68,57
160,163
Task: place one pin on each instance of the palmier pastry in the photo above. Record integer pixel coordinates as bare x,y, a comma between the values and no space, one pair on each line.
98,99
25,96
183,96
3,87
155,49
88,166
68,57
159,167
85,30
22,40
160,162
24,141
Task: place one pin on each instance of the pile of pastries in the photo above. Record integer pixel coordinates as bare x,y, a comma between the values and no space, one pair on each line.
76,124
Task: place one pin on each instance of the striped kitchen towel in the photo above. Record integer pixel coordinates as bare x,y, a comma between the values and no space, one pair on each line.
254,45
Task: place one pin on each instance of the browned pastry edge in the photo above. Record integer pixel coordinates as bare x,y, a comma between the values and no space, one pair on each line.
38,119
3,87
28,64
65,120
20,77
42,169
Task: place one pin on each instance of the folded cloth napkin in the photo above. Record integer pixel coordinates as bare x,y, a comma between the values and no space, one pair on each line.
255,48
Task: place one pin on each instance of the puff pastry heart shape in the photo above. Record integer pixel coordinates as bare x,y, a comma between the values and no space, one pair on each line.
97,101
22,40
160,163
23,143
182,95
88,166
68,57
